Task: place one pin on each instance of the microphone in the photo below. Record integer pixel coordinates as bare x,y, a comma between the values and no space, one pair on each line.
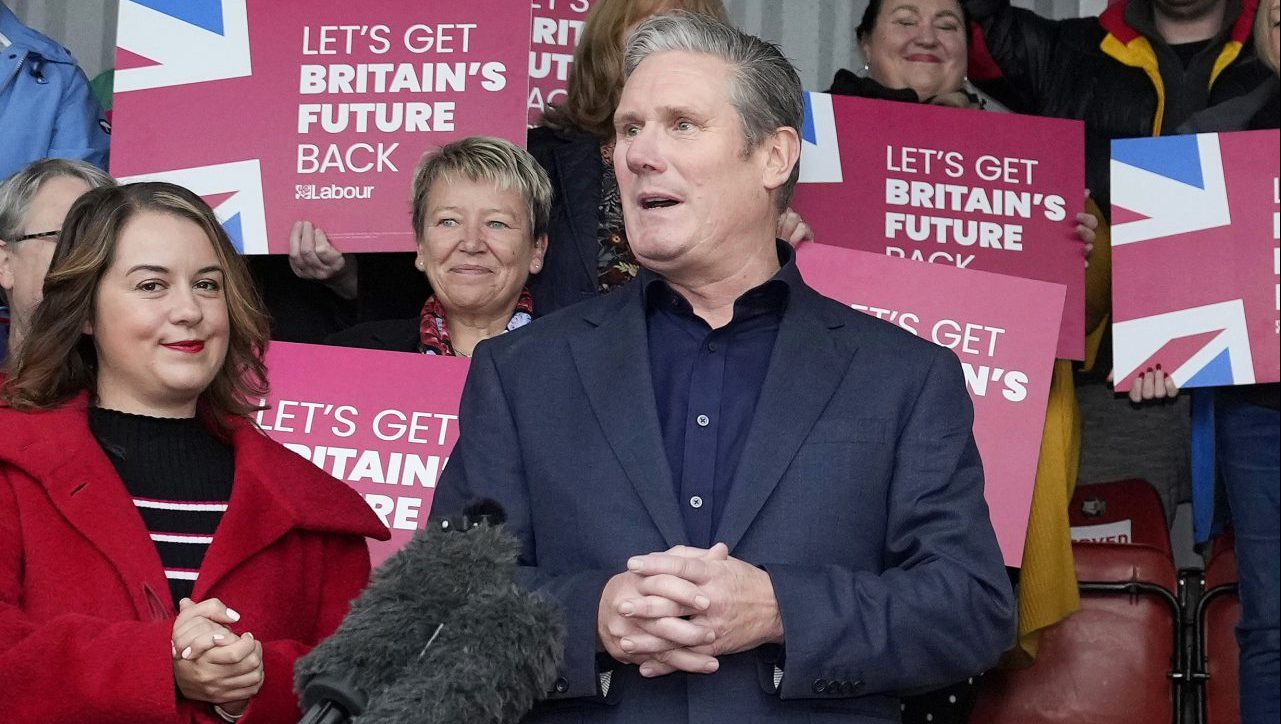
415,613
494,659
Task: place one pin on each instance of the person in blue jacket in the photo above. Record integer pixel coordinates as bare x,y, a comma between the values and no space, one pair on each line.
46,106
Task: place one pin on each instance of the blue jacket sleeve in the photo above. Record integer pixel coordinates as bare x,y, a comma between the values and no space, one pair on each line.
942,608
80,129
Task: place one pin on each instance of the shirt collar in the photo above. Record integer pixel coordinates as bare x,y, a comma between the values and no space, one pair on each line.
772,294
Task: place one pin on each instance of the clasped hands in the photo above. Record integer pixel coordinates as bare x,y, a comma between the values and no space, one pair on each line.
210,662
680,609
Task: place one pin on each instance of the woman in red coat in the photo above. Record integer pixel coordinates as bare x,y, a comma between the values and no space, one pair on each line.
161,560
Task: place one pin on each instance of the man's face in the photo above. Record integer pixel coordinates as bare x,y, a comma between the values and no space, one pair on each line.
23,264
1185,9
692,198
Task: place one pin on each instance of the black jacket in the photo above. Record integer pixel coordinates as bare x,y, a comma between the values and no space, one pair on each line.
1252,112
572,161
392,335
1113,72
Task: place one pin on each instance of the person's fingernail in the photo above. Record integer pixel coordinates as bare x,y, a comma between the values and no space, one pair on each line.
1158,366
702,602
249,636
711,666
1149,370
173,649
626,608
186,653
627,645
218,637
710,637
646,670
232,614
635,564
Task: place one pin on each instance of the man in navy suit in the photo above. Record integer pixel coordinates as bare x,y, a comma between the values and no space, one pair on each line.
753,503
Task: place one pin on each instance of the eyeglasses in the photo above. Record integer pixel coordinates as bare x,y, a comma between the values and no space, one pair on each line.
40,235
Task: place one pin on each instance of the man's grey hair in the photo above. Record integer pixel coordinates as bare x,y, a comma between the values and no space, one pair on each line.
17,191
766,90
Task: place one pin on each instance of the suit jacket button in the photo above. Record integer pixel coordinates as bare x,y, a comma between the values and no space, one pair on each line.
562,686
820,686
856,685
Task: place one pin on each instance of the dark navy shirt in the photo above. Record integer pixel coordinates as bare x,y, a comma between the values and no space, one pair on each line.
706,383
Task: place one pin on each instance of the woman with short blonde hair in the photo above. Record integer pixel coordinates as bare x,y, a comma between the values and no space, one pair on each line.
480,210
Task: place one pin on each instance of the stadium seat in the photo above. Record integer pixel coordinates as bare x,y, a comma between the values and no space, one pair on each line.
1216,650
1119,659
1124,511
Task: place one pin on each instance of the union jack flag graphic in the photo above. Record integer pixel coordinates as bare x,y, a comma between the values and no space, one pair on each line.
169,43
1194,243
820,147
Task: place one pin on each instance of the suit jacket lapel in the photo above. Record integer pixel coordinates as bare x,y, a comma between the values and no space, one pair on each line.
615,349
805,369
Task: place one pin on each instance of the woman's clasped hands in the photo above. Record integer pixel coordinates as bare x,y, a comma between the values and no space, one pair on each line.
212,663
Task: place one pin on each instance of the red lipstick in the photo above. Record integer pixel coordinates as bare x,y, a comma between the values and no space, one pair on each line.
190,346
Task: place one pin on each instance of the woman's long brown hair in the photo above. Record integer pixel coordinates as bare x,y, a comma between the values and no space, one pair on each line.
57,359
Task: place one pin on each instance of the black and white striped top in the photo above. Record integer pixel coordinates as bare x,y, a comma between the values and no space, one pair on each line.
179,476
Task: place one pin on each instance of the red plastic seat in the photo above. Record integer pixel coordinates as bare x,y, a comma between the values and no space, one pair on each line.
1124,511
1110,663
1218,614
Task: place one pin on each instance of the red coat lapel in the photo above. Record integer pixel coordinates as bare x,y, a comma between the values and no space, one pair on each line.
57,448
276,491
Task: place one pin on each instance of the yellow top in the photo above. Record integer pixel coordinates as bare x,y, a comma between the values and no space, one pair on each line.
1047,584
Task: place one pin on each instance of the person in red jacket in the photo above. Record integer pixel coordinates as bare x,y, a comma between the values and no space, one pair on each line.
161,559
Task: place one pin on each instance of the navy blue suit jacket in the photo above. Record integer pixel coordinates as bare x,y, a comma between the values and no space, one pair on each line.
860,491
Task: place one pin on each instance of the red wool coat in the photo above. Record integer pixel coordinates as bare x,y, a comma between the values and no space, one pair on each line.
85,611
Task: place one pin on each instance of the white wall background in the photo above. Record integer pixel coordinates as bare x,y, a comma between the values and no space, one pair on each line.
818,35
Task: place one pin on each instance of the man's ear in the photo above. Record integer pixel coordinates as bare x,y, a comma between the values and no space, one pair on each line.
782,153
6,266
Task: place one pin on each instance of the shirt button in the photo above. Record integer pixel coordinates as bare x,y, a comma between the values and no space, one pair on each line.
703,420
711,346
695,502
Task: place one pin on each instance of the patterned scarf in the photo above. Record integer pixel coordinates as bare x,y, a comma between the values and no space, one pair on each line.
615,263
433,328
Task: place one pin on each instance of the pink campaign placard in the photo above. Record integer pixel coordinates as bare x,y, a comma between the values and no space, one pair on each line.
1003,329
557,27
1195,258
383,422
970,189
279,110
